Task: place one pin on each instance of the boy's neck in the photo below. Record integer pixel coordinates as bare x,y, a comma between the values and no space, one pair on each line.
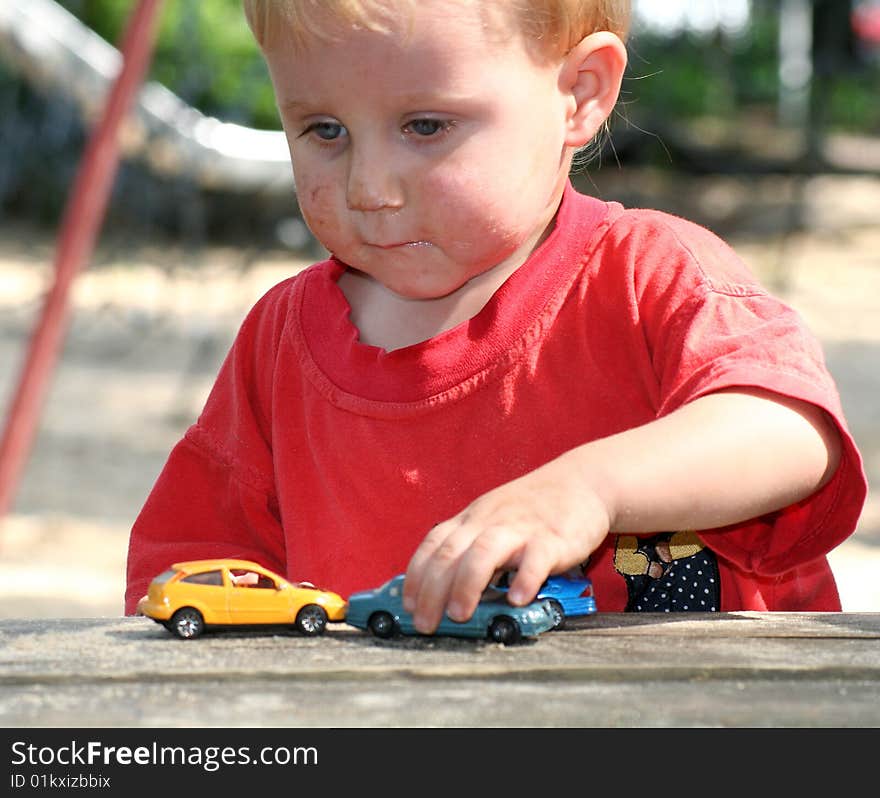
390,321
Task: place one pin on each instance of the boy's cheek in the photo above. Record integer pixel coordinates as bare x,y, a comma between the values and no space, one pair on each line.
317,206
322,228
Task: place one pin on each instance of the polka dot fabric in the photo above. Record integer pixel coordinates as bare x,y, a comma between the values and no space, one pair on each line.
669,572
689,585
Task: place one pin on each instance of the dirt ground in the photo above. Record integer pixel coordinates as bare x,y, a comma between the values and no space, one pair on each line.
151,324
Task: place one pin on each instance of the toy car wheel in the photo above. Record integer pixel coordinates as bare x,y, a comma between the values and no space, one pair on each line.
504,629
187,623
557,612
311,620
382,624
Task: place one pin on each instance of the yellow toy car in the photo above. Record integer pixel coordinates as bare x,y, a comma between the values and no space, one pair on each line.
191,596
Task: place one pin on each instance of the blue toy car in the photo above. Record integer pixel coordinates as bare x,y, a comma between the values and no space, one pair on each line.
381,612
569,596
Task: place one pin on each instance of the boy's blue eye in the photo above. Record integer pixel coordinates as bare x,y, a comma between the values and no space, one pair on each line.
326,131
426,127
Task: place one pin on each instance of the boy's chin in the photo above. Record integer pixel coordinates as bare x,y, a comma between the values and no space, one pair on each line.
425,290
416,289
423,287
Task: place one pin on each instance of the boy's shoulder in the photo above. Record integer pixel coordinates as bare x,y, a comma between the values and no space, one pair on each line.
643,246
660,224
644,226
277,298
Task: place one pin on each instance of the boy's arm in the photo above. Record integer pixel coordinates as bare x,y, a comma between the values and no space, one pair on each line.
721,459
201,508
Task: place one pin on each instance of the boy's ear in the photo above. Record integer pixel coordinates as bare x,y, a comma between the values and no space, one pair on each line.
590,79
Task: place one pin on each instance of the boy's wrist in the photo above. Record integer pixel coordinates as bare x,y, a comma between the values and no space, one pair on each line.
595,487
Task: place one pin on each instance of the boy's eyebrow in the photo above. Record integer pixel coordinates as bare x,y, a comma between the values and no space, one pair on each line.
423,101
292,105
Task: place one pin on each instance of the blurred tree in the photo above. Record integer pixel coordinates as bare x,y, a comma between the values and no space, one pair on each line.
793,68
205,54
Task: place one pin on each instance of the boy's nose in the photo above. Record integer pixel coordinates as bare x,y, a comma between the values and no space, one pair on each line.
372,183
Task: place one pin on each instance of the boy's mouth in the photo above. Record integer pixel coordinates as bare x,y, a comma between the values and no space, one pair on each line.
402,245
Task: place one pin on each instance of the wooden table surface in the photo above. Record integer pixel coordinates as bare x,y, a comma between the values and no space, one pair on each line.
610,670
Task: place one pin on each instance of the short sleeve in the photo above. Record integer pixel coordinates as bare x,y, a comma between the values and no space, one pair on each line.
710,325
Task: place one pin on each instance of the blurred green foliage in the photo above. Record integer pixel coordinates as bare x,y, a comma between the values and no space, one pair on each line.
722,74
205,54
854,106
693,75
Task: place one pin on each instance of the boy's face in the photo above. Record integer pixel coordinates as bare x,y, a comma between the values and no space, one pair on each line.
427,156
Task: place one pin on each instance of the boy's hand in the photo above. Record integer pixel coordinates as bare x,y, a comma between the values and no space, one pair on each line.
538,524
718,460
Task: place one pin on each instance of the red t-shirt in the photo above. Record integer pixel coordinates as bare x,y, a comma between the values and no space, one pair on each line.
328,460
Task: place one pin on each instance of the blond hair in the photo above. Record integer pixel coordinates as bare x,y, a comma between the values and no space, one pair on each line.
555,26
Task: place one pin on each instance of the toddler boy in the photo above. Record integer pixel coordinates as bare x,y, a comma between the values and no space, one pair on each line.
493,371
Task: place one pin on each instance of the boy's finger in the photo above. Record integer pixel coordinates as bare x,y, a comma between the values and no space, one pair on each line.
415,569
431,590
494,548
431,601
535,566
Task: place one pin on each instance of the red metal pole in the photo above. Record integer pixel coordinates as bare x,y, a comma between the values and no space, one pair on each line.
79,229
